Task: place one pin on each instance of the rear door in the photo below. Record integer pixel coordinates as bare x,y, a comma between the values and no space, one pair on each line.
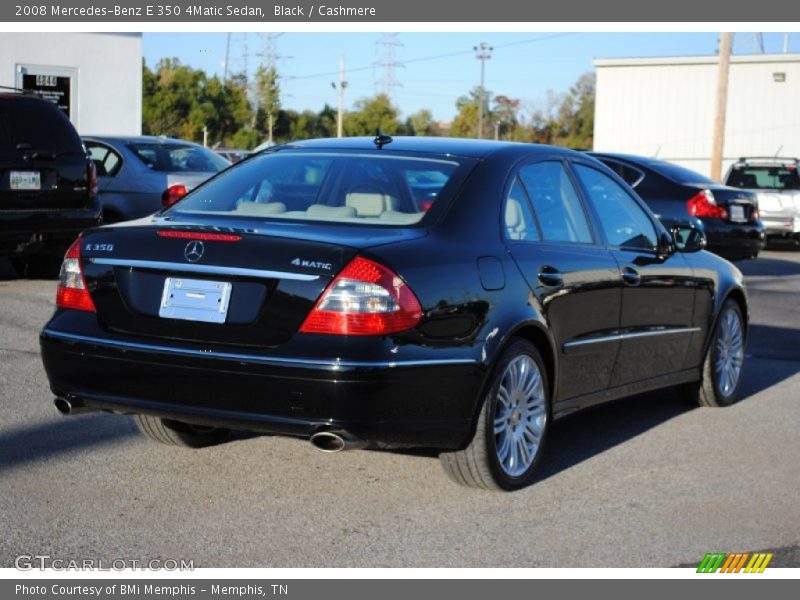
575,279
656,323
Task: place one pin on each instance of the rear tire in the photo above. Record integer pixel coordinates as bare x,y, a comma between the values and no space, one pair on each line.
177,433
724,362
512,426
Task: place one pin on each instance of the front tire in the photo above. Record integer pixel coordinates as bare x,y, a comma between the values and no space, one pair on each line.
512,426
177,433
724,362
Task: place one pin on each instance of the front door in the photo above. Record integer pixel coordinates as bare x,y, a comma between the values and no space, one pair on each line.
656,323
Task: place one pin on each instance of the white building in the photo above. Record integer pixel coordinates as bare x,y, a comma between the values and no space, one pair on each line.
665,107
96,78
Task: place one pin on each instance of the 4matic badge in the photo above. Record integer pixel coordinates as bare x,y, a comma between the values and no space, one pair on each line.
312,264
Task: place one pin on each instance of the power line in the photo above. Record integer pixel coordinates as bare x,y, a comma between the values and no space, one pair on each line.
440,56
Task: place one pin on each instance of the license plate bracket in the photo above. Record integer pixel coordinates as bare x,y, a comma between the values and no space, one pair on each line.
25,180
195,300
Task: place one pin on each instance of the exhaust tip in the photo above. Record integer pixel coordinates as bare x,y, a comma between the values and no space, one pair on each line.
63,406
327,441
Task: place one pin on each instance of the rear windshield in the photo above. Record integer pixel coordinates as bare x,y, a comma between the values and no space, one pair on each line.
178,158
363,188
679,174
765,178
27,124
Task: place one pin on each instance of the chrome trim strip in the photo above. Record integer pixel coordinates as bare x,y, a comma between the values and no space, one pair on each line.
205,269
629,335
305,363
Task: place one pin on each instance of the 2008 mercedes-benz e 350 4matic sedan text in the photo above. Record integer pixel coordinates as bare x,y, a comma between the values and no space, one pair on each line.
449,294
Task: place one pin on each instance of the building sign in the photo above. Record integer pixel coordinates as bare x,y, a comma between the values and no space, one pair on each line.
55,88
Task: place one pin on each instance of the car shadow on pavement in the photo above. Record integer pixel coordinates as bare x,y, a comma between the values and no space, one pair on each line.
773,355
770,267
41,442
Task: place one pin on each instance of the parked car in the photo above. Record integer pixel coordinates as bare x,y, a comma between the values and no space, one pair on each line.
139,175
48,190
776,183
308,292
728,216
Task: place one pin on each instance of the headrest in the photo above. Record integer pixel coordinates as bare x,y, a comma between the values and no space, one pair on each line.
370,204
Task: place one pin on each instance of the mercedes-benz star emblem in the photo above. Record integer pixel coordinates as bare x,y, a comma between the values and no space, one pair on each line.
194,251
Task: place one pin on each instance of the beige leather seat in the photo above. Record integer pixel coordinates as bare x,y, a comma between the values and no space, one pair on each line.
516,227
369,204
261,208
323,211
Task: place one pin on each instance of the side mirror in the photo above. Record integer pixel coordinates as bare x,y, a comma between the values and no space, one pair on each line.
666,245
688,239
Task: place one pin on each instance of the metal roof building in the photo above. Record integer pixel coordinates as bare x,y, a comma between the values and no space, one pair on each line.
664,107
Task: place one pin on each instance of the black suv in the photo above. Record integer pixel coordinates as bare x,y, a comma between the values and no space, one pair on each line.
48,186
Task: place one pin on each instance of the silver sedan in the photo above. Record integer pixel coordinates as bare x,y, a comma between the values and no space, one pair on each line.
138,176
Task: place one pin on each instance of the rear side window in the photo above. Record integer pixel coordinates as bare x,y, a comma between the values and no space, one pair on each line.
519,222
28,124
178,158
765,178
558,208
624,222
106,161
348,187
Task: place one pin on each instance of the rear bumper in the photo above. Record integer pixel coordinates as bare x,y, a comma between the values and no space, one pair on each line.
781,225
403,403
22,231
734,240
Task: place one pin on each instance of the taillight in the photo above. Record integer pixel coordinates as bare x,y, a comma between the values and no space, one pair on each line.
366,298
72,292
704,205
91,175
173,193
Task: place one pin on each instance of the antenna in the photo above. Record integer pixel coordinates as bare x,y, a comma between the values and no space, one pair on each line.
381,139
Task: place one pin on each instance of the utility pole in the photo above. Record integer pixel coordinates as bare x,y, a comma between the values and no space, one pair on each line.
483,53
722,105
340,88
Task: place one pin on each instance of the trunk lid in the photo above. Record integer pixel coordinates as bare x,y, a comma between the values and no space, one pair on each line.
740,204
269,278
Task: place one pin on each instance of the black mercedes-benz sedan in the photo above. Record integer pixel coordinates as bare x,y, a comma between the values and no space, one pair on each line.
727,215
449,294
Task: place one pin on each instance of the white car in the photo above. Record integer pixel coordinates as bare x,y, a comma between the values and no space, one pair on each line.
776,181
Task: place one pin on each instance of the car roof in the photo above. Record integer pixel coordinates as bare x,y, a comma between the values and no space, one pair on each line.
138,139
433,145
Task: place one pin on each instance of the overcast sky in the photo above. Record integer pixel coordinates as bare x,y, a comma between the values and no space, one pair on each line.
438,67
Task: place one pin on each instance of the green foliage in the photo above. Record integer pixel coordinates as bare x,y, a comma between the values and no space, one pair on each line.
370,114
180,101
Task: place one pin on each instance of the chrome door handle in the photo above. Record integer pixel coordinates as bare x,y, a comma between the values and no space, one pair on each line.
631,276
551,276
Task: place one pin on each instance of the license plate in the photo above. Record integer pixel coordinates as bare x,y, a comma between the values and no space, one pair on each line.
737,213
195,300
26,180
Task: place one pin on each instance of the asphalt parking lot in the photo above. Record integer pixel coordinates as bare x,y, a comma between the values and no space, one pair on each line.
645,482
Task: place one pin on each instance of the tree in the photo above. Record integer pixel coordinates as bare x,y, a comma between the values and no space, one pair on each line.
576,114
506,114
370,114
465,123
420,123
